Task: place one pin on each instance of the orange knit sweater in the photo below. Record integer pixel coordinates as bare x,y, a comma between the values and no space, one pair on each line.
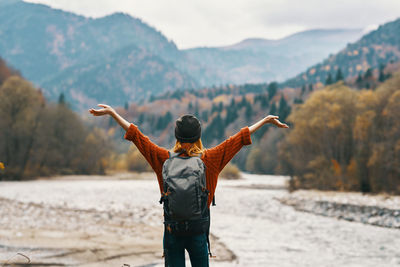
214,158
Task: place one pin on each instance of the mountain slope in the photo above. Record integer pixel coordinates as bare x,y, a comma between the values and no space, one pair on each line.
128,75
63,52
376,48
32,33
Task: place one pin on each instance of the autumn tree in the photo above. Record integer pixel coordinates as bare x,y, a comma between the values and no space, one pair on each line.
320,146
38,138
20,109
6,71
346,140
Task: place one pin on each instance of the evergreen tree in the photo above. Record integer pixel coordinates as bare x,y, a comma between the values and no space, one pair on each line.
359,78
381,74
215,130
329,79
272,110
196,110
214,108
220,107
61,99
298,101
249,111
310,87
368,74
204,115
284,109
272,89
141,118
303,89
163,121
263,99
339,75
243,103
231,114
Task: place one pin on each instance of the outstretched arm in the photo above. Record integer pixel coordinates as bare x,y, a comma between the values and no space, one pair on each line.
107,110
154,154
220,155
269,119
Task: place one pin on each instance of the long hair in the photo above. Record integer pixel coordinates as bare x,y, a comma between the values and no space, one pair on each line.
195,148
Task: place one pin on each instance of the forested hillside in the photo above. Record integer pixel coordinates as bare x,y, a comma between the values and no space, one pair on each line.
346,139
224,110
374,50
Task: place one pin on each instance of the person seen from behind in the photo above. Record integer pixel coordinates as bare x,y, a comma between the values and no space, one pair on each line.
187,178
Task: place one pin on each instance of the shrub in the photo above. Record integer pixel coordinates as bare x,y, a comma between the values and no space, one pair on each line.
231,172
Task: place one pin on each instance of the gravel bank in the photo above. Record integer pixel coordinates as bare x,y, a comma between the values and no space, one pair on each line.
378,210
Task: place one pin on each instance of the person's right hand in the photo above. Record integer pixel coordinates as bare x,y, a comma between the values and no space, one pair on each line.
105,110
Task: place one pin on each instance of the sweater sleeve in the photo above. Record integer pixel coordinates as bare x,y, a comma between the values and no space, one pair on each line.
154,154
219,156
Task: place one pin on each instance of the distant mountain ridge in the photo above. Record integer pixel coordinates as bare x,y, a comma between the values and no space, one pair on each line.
260,60
375,49
66,53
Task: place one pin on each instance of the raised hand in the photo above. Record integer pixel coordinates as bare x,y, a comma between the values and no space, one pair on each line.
274,120
105,110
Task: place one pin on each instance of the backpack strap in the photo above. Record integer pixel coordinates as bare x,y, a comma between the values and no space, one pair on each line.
208,239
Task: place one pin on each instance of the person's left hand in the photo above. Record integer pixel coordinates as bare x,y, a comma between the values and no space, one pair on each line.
274,120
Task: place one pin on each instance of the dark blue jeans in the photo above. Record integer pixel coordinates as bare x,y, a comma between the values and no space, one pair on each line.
174,250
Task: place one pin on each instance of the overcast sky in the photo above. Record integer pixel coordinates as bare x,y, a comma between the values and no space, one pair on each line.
192,23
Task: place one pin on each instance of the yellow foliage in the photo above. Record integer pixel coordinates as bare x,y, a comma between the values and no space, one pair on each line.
336,167
352,173
135,161
220,98
111,131
1,165
345,139
363,124
397,146
231,171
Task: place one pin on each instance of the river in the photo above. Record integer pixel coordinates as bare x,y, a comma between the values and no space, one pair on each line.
248,219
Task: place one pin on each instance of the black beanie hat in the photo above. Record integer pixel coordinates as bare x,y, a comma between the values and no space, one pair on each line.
187,129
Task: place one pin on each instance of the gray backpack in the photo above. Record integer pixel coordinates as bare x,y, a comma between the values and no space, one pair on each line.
185,195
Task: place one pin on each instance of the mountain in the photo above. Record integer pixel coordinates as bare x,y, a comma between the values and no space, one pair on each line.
374,50
33,33
262,60
119,58
55,49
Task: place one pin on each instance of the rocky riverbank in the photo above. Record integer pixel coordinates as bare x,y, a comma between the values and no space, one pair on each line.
378,210
83,223
118,222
